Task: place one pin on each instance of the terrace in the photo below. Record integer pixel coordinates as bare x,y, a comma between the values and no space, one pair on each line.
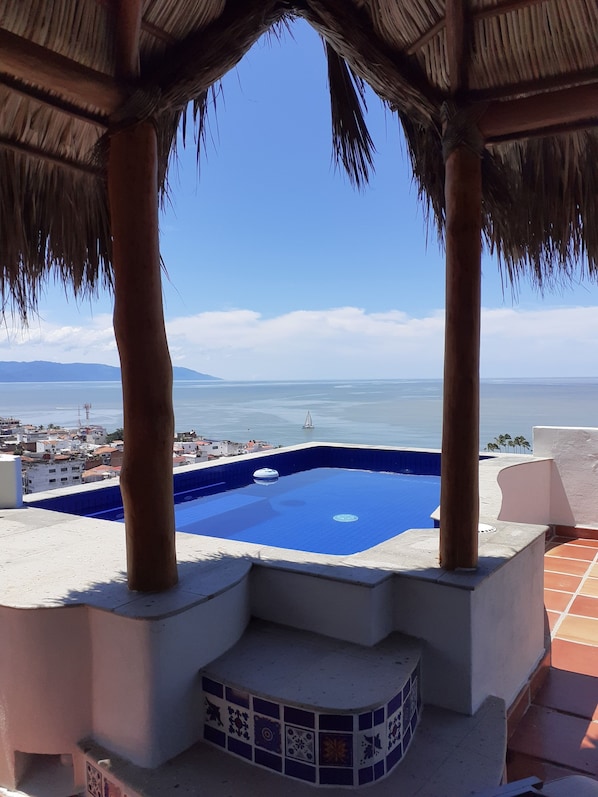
497,102
308,636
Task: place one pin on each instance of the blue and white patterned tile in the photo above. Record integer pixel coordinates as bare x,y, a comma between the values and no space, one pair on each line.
300,744
267,733
394,730
239,724
370,745
410,705
215,712
94,779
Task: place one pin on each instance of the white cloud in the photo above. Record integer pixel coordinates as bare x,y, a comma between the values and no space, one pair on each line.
342,342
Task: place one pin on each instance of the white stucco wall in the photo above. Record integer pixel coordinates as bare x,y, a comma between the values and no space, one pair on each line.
507,626
479,641
144,693
360,613
11,482
574,485
45,675
439,615
526,492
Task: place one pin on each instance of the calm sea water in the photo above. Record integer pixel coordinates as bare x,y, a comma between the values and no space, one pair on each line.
389,412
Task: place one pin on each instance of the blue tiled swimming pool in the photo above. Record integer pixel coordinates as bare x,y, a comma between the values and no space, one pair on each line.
334,500
324,510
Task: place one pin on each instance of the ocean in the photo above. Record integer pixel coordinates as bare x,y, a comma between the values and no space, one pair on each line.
398,412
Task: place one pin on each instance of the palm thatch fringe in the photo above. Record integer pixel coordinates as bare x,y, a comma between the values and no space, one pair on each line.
353,147
53,223
539,202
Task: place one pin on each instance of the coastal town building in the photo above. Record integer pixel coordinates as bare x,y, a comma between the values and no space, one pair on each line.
52,457
42,474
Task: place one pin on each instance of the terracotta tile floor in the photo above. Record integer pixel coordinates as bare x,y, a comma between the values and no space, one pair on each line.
558,735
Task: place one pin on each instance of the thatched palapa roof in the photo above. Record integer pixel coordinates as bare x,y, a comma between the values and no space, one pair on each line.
525,71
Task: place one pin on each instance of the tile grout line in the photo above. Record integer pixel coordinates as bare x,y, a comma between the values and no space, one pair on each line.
565,612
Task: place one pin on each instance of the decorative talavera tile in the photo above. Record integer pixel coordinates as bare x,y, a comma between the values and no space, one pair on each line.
94,781
410,705
336,750
371,746
239,723
300,744
266,733
216,714
394,730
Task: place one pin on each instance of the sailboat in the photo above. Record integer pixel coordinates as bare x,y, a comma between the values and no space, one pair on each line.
309,424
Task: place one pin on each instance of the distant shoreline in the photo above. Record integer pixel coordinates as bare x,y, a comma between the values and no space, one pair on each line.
41,371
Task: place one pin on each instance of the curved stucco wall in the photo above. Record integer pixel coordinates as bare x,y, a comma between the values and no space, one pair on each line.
574,486
67,673
526,491
146,706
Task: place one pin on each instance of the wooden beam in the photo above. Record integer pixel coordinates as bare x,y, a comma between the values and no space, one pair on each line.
126,34
527,88
146,369
459,480
56,160
457,46
54,102
567,108
156,32
52,72
506,7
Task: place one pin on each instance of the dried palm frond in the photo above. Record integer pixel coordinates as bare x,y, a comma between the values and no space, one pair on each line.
539,202
53,223
353,147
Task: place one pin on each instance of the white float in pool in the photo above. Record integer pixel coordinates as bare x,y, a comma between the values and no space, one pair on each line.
265,476
484,528
345,518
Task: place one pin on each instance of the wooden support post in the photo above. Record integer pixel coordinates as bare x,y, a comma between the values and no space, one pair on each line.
146,474
459,491
146,368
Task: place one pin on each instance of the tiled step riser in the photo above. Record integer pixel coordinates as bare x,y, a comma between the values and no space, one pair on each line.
301,742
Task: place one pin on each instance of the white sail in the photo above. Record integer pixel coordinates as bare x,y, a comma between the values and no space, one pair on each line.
308,422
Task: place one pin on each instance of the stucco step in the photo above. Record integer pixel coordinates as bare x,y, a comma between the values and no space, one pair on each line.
314,708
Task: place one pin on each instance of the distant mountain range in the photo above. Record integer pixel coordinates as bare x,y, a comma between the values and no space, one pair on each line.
44,371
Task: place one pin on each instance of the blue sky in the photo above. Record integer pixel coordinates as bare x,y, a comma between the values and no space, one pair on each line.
277,268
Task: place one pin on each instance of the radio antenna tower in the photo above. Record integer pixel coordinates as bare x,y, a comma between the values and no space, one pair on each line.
87,407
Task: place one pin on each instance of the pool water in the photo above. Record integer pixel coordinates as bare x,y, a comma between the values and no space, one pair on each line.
322,510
